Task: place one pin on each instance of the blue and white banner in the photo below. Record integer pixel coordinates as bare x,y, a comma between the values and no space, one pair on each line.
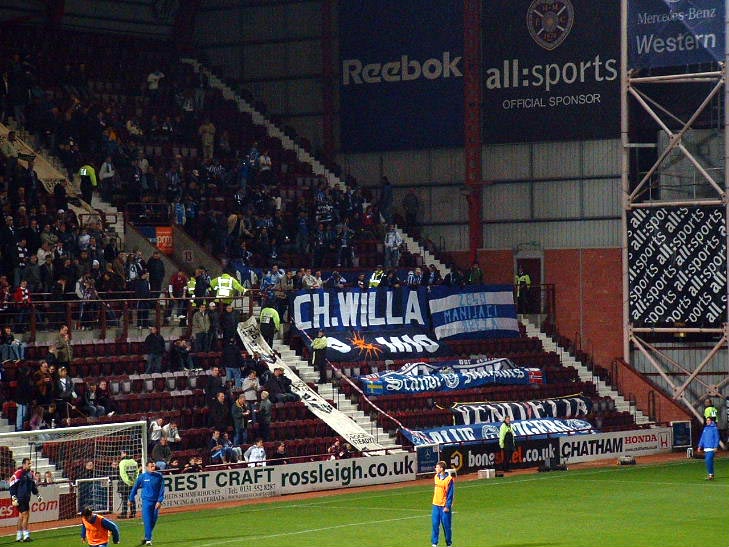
376,345
357,309
370,324
464,377
664,33
473,312
535,428
480,413
468,366
402,67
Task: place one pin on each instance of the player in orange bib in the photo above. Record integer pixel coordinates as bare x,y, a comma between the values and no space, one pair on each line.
445,489
95,529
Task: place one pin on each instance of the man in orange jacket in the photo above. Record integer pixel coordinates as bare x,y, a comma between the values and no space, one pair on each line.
445,489
95,529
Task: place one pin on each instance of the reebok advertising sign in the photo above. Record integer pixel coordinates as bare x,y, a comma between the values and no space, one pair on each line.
401,74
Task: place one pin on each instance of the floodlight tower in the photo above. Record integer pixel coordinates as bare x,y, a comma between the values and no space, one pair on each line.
675,278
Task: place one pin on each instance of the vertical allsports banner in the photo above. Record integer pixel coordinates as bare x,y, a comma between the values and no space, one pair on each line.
401,74
677,266
551,70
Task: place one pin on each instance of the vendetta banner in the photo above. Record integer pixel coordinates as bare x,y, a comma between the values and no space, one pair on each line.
473,312
480,413
536,428
462,378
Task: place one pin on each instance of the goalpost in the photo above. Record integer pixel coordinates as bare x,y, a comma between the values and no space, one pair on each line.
75,466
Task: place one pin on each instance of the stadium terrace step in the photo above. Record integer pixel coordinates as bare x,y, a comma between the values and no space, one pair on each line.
603,389
338,398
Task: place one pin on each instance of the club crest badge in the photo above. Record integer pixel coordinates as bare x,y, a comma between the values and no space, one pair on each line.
550,21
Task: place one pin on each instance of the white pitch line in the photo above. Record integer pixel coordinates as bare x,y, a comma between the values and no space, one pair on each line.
394,509
702,484
309,531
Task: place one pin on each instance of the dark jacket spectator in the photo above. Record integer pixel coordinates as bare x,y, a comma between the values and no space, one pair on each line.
154,344
43,381
279,388
161,452
231,357
229,322
219,413
156,269
214,385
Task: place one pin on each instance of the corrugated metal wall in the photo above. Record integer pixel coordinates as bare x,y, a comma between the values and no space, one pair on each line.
275,52
137,17
712,374
557,195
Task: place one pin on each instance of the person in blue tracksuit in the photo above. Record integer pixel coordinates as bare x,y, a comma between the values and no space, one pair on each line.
153,494
709,442
443,494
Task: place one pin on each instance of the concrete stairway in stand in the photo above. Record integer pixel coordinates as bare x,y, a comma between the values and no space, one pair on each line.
567,360
417,249
20,448
331,393
50,168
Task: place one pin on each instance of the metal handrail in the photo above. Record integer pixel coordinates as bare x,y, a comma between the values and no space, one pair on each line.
102,311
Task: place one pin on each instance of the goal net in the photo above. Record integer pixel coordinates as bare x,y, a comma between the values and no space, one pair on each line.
76,465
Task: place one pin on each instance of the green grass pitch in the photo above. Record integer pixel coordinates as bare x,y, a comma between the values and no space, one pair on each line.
644,505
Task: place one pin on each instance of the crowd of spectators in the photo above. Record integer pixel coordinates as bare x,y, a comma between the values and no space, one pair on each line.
231,196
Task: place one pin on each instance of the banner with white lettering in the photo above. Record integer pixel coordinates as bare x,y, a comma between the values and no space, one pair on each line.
420,368
358,309
470,457
376,345
350,430
401,83
486,311
421,377
224,485
551,70
677,266
479,413
665,33
640,442
368,324
535,428
40,511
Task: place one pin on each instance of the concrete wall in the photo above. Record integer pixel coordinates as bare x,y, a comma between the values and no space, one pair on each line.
588,293
189,255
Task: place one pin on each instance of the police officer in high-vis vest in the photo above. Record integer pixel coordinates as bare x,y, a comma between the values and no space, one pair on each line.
710,411
376,277
225,287
270,323
523,284
87,174
319,346
128,472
